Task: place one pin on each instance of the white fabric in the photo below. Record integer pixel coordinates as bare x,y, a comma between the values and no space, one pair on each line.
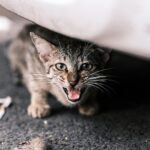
120,24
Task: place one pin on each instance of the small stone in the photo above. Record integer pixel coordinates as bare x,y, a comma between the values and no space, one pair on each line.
66,138
4,103
45,122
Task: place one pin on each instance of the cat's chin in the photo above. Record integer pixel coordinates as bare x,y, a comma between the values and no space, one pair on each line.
73,95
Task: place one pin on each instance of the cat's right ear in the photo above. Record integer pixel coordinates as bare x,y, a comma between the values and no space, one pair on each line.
44,48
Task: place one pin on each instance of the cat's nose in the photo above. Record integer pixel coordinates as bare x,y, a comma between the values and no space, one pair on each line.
73,82
73,78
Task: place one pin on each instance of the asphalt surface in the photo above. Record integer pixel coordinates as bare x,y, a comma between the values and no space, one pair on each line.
123,123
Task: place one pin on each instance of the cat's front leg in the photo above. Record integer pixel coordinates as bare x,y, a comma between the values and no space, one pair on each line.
39,106
90,106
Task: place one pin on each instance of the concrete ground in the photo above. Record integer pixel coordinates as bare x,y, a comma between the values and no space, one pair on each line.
123,123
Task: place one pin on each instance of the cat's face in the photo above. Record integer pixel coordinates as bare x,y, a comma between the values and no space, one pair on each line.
73,68
70,76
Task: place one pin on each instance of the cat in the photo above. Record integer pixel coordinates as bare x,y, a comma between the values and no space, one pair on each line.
68,68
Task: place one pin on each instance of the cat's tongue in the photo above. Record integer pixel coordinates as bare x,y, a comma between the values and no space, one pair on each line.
73,94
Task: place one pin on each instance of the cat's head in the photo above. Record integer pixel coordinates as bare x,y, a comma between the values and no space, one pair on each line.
72,65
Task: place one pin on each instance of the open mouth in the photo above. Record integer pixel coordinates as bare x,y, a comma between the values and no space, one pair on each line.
73,94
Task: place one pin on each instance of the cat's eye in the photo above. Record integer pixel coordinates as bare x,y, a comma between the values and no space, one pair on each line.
60,66
87,66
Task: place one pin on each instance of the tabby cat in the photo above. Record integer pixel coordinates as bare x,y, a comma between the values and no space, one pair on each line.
68,68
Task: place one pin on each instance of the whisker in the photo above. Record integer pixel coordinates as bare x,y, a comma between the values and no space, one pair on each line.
101,86
97,77
103,80
110,89
38,75
111,80
96,72
105,89
104,76
96,80
100,71
39,79
95,86
106,69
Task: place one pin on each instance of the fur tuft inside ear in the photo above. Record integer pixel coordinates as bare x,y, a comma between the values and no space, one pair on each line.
105,54
33,37
44,48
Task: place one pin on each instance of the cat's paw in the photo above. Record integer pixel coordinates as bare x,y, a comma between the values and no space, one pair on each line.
88,110
39,110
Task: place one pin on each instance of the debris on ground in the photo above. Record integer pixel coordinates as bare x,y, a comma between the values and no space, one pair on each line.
4,103
34,144
45,122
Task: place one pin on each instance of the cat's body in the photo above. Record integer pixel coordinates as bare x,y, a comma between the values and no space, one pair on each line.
63,66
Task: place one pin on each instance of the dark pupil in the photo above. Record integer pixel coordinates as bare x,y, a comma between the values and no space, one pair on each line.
61,66
86,66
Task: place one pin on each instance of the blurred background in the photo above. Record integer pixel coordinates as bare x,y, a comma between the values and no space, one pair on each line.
10,24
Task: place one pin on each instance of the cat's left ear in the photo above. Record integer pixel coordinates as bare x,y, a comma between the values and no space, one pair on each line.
105,52
44,48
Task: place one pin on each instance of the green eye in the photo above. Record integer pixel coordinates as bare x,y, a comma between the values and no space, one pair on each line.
60,66
87,66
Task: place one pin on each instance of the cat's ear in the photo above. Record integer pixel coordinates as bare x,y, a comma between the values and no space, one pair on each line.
105,52
44,48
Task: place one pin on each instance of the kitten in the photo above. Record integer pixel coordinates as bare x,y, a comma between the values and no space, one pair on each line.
68,68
